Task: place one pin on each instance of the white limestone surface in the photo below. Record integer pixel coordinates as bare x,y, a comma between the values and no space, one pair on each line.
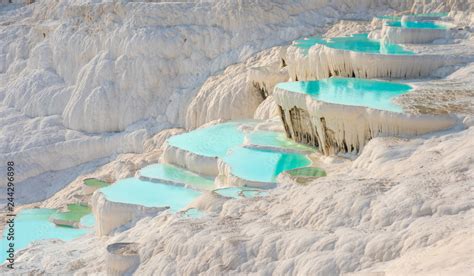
402,207
398,35
200,164
110,215
106,68
322,62
71,70
335,127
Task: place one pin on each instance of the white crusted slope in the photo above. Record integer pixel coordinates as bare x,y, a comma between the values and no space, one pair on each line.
403,207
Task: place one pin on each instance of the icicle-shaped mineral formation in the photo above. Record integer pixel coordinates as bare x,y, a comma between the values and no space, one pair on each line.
357,56
323,121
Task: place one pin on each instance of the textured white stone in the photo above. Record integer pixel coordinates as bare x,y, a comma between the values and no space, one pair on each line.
322,62
122,258
398,35
349,128
200,164
110,215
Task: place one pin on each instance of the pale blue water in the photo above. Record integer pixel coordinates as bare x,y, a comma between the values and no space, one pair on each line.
275,139
351,91
213,141
33,225
262,165
240,192
417,25
176,174
88,221
135,191
356,43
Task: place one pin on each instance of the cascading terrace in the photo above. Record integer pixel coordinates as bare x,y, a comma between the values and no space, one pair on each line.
330,105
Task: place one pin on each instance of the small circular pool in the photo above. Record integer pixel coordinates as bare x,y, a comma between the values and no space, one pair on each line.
149,194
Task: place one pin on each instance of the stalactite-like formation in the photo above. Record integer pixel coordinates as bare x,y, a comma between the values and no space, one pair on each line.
338,128
323,62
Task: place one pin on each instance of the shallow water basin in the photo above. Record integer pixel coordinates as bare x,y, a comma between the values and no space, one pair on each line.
150,194
33,225
175,174
351,91
262,165
356,43
418,25
74,213
212,141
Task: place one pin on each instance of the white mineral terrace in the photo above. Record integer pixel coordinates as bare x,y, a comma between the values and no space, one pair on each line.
110,215
238,137
343,128
205,165
391,34
322,62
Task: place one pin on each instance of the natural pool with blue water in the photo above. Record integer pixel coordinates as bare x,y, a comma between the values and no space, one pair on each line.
418,25
213,141
135,191
178,175
262,165
351,91
356,43
225,140
34,224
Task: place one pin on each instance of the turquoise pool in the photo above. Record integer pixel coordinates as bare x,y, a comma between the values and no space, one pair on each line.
240,192
88,221
176,174
418,25
213,141
262,165
356,43
33,225
149,194
351,91
276,140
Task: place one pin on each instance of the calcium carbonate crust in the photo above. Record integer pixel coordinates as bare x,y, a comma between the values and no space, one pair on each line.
339,128
322,62
110,215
